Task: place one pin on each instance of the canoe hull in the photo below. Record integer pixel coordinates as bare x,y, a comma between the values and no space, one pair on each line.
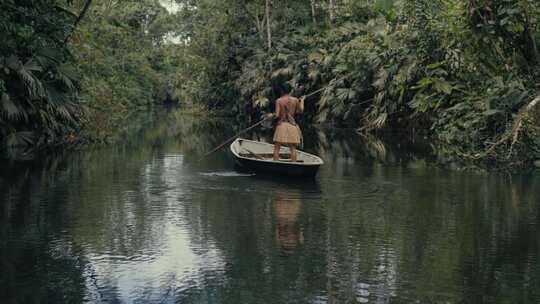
254,156
285,169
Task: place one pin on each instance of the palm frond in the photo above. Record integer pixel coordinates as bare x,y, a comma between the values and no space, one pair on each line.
283,72
17,139
10,109
33,85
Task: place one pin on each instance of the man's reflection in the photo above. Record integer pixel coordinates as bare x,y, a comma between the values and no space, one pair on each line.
289,234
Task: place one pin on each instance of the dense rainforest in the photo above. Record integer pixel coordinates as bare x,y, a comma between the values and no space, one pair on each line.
463,72
74,70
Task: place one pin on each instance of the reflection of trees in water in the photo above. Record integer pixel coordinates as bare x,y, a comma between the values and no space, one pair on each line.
335,144
198,135
37,259
508,260
408,231
342,147
384,232
99,198
192,135
413,238
368,231
246,227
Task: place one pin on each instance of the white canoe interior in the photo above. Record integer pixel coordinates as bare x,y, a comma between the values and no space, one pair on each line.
249,149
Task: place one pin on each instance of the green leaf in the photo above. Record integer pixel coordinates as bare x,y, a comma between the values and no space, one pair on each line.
9,107
288,71
434,65
345,94
315,57
491,112
442,86
17,139
340,68
13,62
262,102
313,75
51,54
32,65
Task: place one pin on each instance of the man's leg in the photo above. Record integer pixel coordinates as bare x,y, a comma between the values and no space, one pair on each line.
277,147
293,152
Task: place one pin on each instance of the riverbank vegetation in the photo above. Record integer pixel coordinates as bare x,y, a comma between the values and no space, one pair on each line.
74,70
462,72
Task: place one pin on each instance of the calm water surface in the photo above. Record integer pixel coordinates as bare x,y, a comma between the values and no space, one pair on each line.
144,221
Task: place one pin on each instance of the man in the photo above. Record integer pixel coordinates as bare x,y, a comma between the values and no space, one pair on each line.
287,131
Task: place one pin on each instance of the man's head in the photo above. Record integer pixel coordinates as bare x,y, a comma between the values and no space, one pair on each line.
281,89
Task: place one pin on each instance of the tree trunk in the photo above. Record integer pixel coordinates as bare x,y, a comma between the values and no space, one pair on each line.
332,10
268,9
258,24
535,48
533,45
532,42
261,26
81,16
313,17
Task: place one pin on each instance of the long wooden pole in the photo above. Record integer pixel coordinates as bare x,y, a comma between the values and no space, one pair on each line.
235,136
323,88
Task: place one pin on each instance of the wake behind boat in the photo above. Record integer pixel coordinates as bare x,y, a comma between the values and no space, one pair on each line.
258,156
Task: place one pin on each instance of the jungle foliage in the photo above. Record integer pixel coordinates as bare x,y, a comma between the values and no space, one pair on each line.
126,61
39,84
72,70
465,72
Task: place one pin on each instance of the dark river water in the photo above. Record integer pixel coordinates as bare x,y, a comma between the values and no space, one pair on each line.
144,220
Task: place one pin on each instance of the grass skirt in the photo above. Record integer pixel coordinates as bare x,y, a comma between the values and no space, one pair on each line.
287,133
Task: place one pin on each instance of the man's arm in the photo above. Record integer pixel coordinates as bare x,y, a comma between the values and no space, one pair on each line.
301,105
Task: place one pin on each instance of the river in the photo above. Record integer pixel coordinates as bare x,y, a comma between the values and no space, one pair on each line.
144,220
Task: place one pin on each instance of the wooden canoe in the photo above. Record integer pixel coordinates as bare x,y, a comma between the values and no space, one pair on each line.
258,157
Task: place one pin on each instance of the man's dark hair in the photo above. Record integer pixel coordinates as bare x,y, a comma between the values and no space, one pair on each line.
281,89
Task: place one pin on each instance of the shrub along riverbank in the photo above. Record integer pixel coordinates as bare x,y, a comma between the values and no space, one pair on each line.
463,72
